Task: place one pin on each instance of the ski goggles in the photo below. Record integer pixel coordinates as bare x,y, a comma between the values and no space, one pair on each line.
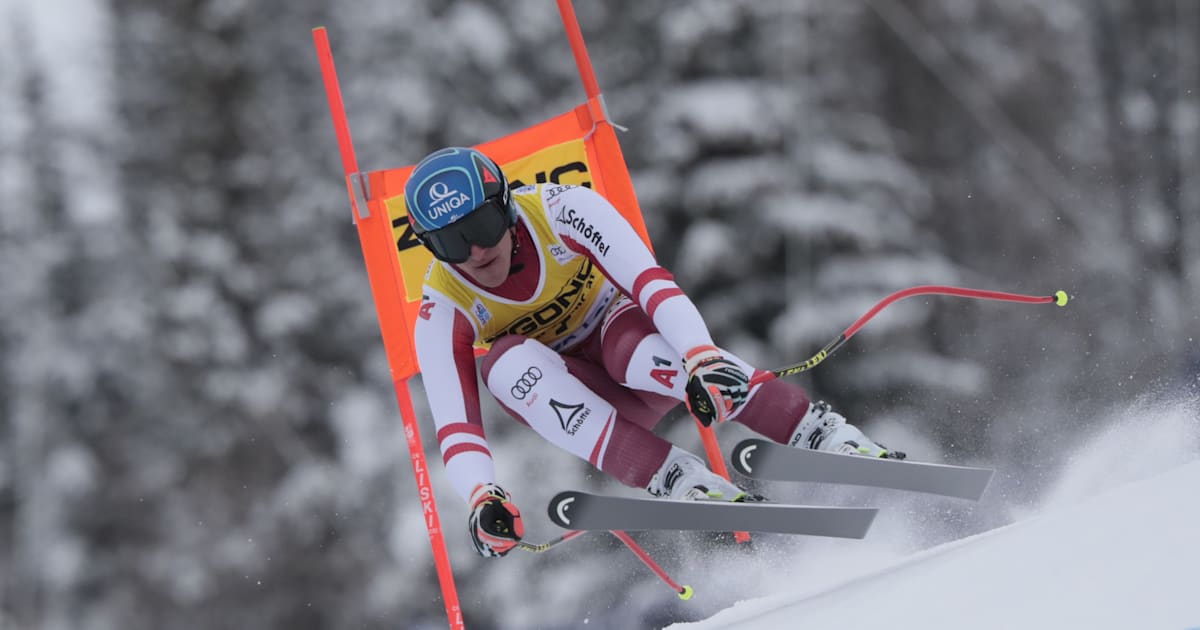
484,226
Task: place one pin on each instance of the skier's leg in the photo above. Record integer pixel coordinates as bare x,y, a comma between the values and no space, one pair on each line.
641,408
614,347
824,429
783,412
534,384
636,355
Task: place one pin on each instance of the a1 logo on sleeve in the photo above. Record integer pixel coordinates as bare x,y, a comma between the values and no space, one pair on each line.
664,376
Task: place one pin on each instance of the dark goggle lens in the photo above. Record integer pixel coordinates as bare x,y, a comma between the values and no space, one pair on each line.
484,226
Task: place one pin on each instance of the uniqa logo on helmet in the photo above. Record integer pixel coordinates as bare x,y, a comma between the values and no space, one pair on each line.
445,199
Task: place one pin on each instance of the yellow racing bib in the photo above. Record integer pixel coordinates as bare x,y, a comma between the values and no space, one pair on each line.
568,304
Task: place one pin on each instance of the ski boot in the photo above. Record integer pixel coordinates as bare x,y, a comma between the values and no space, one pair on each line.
683,477
823,429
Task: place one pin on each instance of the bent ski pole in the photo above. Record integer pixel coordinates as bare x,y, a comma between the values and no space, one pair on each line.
1060,298
684,591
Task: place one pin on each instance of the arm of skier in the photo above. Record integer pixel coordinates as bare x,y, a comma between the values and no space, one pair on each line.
588,224
445,338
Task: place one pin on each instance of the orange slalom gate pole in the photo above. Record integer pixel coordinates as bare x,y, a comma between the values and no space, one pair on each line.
387,287
591,87
574,35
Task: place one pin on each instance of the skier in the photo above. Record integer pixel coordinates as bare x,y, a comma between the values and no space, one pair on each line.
590,343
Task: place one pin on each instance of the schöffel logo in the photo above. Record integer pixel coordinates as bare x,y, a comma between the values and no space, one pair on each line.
444,200
585,229
571,417
524,385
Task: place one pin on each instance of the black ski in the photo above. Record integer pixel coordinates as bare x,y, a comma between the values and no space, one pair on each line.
580,510
761,459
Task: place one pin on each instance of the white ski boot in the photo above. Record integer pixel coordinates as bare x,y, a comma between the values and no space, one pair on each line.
823,429
683,477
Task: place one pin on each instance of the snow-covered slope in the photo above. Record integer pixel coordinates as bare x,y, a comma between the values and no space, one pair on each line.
1126,556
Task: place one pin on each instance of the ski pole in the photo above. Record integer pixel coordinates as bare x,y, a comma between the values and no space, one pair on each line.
539,548
684,591
1060,298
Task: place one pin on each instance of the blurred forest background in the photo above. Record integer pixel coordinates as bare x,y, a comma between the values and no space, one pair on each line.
197,424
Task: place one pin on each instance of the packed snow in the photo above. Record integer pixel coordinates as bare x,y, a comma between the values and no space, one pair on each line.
1114,545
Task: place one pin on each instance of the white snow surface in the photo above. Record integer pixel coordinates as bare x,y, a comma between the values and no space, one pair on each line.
1116,544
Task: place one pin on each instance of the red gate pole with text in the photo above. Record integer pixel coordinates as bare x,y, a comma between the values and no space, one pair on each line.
387,287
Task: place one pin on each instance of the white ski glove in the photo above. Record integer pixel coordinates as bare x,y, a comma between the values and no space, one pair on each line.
716,386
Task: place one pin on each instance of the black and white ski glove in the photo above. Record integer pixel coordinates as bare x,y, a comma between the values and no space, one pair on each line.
716,386
495,523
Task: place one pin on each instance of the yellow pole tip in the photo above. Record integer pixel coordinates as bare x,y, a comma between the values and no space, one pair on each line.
686,593
1061,297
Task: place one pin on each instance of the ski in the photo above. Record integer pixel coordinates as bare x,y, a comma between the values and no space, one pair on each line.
761,459
580,510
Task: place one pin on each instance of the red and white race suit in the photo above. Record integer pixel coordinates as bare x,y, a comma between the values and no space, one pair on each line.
586,340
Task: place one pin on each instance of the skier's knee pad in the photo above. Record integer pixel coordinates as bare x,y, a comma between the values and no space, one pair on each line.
498,349
513,355
532,382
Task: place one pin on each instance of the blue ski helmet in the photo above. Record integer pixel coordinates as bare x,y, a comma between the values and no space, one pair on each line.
450,184
458,198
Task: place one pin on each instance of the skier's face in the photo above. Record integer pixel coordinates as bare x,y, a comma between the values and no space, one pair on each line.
489,265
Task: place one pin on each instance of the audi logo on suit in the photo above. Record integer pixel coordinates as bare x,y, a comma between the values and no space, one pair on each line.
525,384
